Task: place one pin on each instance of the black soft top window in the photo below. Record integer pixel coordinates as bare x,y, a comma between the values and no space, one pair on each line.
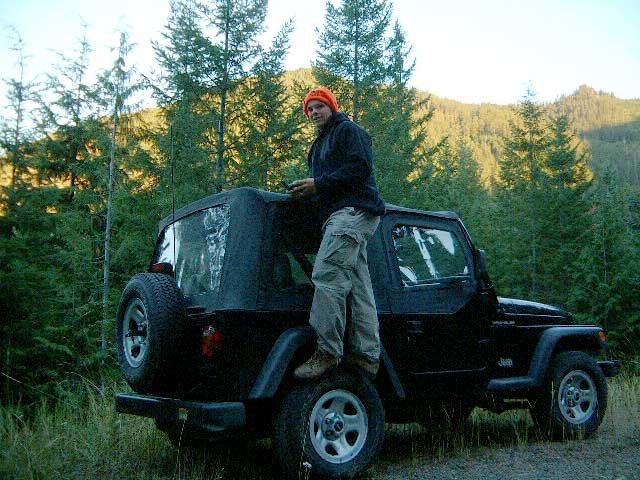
195,246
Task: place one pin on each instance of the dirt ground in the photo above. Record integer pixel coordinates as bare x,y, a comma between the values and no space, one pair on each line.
490,447
496,452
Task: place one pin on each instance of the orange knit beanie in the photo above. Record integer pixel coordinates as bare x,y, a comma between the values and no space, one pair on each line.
324,95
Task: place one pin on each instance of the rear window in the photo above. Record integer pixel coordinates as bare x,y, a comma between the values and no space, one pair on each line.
195,247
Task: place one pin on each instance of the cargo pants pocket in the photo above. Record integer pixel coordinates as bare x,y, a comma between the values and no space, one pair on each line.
342,248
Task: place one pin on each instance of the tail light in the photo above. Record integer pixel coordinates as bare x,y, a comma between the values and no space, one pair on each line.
212,341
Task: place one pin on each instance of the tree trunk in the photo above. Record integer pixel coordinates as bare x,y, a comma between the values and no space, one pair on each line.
107,234
356,70
533,232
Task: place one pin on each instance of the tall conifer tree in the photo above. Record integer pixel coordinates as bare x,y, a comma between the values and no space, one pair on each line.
267,135
215,48
236,27
117,87
369,68
397,122
543,179
180,90
55,244
605,285
351,52
15,133
564,219
521,176
16,140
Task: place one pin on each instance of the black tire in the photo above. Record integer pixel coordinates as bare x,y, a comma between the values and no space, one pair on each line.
331,428
574,401
445,415
150,332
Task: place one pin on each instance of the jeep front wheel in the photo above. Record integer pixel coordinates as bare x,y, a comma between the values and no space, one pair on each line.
150,328
575,397
331,428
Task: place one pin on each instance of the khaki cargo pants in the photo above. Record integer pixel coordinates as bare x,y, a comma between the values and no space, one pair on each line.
341,278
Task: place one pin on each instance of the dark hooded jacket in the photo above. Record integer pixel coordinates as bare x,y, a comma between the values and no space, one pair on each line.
341,163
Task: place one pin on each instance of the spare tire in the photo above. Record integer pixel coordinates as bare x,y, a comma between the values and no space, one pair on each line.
150,333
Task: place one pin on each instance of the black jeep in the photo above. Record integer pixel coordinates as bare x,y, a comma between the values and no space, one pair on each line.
209,337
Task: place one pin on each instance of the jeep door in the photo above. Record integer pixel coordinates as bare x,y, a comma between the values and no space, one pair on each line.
434,297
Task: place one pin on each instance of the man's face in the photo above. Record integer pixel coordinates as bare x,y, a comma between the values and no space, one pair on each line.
319,113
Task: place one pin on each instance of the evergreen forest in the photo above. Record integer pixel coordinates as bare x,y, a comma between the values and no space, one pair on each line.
550,191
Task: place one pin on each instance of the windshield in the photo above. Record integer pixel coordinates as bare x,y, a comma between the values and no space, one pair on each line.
195,247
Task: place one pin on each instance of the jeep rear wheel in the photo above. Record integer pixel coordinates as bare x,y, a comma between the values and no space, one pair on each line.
331,428
150,332
575,397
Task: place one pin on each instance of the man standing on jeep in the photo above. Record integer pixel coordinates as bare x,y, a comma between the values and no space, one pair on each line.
342,182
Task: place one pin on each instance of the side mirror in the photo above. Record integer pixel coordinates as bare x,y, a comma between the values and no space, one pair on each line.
487,289
483,266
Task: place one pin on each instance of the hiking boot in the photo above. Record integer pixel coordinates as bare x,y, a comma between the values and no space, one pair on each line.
364,365
317,364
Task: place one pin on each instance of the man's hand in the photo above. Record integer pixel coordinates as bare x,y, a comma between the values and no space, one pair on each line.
303,188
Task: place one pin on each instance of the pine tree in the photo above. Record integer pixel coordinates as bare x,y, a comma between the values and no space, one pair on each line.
351,52
180,90
564,219
369,71
521,177
237,26
469,198
397,123
61,226
214,73
606,285
543,215
268,133
15,144
117,89
15,134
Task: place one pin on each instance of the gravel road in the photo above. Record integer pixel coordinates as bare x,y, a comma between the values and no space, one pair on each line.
508,449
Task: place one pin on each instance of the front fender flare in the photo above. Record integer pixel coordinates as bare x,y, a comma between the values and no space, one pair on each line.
553,339
579,338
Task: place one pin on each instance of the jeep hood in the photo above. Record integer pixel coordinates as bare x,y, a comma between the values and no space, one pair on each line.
533,313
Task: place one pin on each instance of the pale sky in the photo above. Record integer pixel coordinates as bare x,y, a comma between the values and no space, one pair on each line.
467,50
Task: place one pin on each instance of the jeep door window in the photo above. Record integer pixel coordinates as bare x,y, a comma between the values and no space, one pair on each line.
295,253
290,270
195,247
426,255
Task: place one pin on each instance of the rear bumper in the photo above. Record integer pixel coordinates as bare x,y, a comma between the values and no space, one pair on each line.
210,416
610,368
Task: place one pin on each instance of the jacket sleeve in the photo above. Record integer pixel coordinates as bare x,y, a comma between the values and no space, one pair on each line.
353,149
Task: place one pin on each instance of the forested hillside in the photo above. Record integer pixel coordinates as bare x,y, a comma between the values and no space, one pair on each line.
550,191
608,126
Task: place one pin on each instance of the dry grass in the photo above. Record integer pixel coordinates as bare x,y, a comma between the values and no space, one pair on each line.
92,441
